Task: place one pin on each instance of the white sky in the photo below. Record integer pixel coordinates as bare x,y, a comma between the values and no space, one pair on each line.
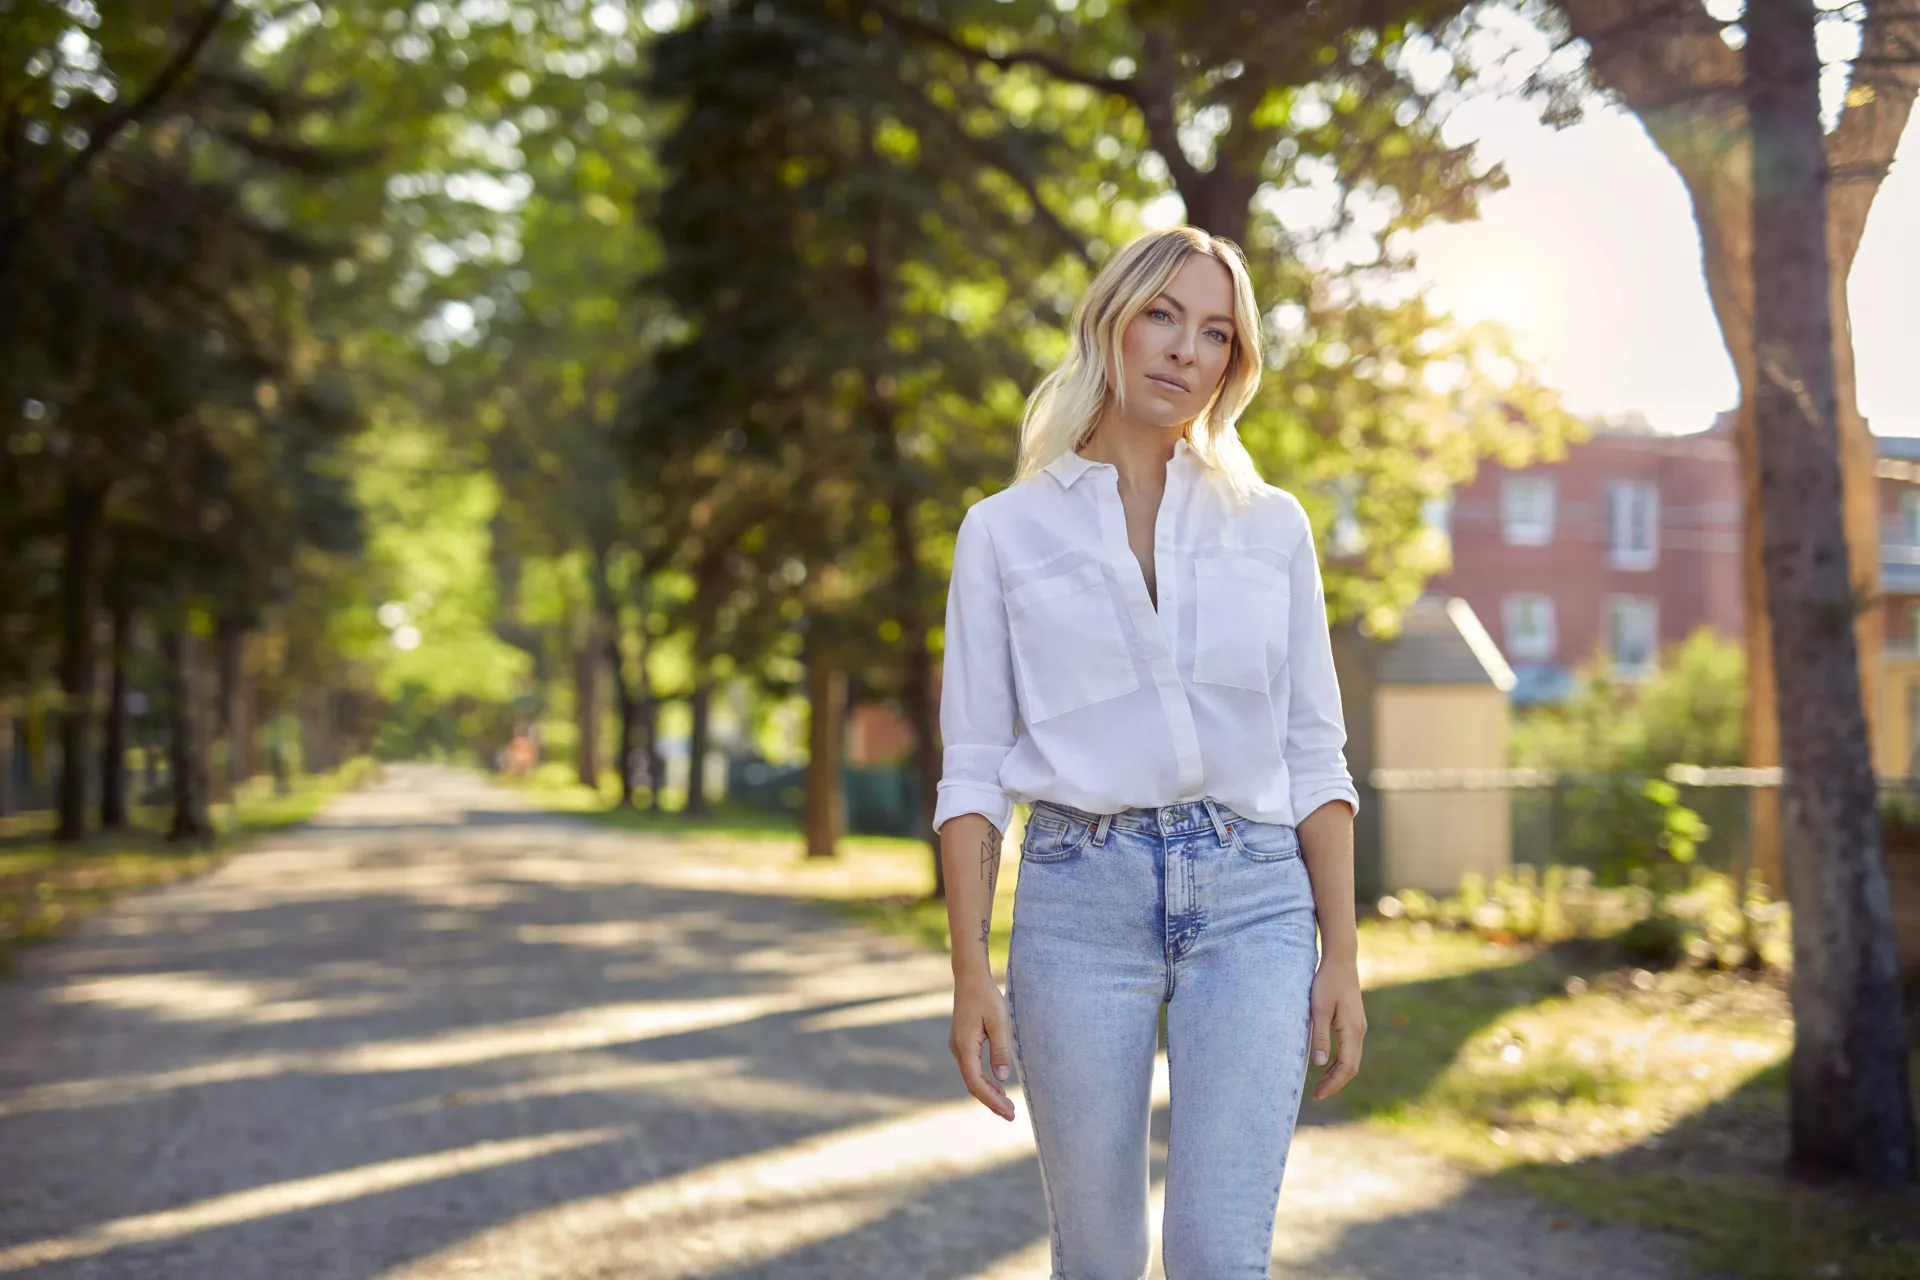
1590,255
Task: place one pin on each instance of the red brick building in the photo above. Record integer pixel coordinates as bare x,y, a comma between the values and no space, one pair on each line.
1633,540
1628,543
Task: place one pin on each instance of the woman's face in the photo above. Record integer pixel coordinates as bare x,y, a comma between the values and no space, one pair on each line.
1175,351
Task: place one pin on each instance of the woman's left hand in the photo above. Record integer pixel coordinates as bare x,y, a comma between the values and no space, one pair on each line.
1337,1011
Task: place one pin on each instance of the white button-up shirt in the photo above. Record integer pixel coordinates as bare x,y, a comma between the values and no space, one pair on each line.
1063,682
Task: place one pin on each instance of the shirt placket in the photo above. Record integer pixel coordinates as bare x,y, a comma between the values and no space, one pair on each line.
1155,628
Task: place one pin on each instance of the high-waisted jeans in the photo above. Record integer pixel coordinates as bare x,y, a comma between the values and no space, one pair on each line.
1211,913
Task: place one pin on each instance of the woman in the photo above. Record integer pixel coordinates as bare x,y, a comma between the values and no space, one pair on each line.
1137,647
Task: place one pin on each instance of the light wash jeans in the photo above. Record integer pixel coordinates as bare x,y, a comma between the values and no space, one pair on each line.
1211,913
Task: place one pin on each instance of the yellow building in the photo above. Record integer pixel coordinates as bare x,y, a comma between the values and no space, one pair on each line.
1428,708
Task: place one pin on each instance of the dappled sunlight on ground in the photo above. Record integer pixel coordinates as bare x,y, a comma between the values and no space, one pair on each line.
303,1193
441,1035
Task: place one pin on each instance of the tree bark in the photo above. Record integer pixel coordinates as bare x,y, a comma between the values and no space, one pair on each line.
85,536
113,759
1852,1114
186,758
586,685
617,665
650,719
825,817
623,694
697,743
6,759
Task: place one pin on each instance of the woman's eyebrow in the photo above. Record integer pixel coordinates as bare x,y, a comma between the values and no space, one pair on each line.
1181,307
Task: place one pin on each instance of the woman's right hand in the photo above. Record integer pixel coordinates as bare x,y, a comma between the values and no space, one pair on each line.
980,1013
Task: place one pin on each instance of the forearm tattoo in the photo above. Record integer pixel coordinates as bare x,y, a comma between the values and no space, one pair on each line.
990,872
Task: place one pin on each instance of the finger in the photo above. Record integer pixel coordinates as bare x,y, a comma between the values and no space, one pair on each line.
1344,1068
1322,1034
984,1090
1000,1036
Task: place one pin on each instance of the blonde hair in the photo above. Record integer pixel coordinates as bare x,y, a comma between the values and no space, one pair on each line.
1063,410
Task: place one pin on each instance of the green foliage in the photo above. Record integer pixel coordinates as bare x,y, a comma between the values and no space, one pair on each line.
1699,919
1691,710
1613,741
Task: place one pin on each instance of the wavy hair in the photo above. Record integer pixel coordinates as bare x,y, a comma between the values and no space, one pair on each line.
1064,408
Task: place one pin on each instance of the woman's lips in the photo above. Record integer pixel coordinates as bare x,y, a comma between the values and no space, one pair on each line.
1170,384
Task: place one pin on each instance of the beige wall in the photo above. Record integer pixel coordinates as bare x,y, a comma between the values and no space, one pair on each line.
1430,839
1893,726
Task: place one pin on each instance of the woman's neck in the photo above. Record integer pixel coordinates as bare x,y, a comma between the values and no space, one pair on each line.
1139,452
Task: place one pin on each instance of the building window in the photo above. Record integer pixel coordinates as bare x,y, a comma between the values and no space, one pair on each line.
1910,517
1633,634
1633,524
1528,623
1526,510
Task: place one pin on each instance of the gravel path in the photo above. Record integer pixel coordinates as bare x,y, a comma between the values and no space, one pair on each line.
438,1035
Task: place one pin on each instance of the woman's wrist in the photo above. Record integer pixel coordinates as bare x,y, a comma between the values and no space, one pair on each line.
1340,950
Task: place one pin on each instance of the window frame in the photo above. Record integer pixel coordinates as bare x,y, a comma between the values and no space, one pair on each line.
1537,532
1511,607
1610,610
1621,518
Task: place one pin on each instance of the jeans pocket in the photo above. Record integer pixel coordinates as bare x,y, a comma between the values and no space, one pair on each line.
1052,836
1264,841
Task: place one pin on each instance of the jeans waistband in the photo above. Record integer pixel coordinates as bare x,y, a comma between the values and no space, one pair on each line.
1180,818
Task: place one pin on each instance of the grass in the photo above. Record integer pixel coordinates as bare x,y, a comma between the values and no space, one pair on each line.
1625,1094
45,886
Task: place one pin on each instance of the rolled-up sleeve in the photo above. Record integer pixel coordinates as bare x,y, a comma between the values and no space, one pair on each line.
1315,753
977,709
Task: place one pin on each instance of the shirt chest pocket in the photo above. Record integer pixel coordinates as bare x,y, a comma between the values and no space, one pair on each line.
1241,607
1067,643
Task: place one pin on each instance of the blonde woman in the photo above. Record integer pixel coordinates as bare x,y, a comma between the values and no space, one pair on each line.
1137,648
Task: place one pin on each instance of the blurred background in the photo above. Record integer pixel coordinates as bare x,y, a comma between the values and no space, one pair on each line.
586,392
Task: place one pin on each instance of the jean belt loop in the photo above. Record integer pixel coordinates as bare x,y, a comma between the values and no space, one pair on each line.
1100,831
1219,824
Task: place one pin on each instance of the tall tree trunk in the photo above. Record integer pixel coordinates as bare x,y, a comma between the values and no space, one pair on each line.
586,688
623,694
6,759
1671,67
85,535
908,587
697,740
113,760
650,719
617,664
1852,1113
186,760
825,816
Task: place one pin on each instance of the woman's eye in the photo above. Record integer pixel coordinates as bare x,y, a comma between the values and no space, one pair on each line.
1217,335
1157,312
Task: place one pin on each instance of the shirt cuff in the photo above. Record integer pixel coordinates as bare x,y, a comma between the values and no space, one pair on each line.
956,798
1307,800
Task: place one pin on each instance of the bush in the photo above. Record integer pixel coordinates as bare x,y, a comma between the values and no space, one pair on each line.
1690,711
1698,921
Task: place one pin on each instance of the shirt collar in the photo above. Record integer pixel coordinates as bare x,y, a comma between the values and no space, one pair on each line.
1070,466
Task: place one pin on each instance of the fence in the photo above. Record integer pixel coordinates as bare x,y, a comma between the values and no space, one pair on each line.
1430,826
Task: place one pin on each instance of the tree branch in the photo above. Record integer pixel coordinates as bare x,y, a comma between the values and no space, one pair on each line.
1056,67
102,135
